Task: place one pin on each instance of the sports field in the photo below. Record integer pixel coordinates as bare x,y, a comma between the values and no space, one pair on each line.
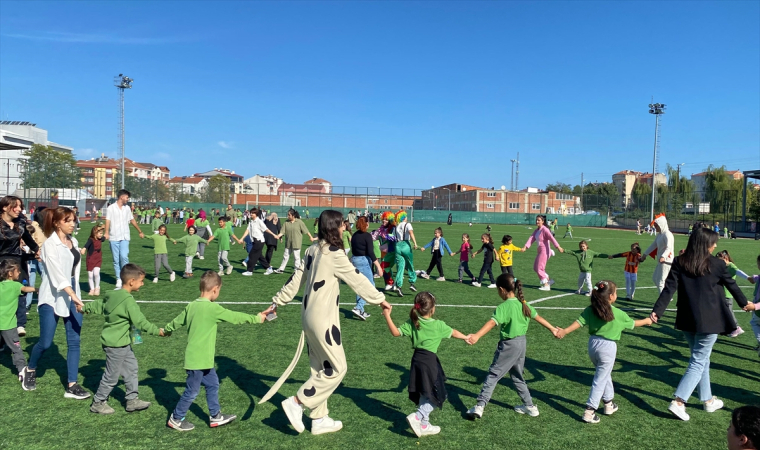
372,402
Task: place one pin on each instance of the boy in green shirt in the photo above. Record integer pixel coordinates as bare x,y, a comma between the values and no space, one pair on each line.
222,235
201,318
585,259
568,231
122,313
191,242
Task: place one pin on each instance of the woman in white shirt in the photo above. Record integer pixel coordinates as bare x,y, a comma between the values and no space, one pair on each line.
256,229
59,297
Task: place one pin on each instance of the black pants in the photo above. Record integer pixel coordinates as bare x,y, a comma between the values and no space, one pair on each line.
435,261
486,268
507,269
255,256
270,252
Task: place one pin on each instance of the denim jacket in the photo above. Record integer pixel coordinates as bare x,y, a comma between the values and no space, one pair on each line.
441,245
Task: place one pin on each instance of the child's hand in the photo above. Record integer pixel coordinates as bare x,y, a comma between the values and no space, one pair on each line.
472,339
749,307
452,254
751,279
609,257
560,333
555,332
161,332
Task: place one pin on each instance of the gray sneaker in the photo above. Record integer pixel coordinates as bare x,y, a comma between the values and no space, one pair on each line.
179,425
221,419
101,408
137,405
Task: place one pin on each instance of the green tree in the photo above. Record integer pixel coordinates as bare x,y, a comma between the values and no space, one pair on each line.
721,189
560,187
642,196
218,190
47,167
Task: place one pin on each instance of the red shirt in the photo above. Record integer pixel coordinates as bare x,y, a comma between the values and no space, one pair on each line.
464,250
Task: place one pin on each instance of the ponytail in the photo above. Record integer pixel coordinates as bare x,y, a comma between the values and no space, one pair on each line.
424,303
600,300
511,284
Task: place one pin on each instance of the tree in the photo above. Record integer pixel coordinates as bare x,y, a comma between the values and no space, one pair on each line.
721,189
218,190
50,168
642,195
562,188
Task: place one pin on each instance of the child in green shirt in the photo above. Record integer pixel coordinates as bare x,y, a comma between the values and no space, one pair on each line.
223,235
191,242
605,326
513,317
426,377
157,222
346,237
10,290
201,318
585,259
733,271
568,231
160,253
121,313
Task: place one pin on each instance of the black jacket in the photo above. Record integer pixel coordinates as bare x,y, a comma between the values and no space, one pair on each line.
268,238
10,238
701,306
426,378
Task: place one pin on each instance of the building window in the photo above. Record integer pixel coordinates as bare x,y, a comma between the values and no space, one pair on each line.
491,194
109,179
535,206
514,205
489,205
109,171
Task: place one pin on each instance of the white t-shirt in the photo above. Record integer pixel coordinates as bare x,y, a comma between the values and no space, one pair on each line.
256,229
402,231
120,219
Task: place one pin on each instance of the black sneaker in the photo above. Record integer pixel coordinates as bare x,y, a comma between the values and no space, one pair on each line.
221,419
179,425
412,288
75,391
398,291
30,380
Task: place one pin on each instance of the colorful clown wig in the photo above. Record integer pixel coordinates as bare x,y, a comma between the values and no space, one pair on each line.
400,216
389,216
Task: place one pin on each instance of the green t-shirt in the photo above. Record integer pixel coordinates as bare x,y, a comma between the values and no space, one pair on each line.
157,222
191,242
732,268
346,240
293,232
511,320
222,236
159,243
608,330
9,293
430,334
585,259
121,311
569,228
201,318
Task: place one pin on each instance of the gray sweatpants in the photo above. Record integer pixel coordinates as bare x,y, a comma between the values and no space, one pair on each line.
509,357
201,248
10,337
162,260
730,303
189,263
223,259
120,361
602,353
424,409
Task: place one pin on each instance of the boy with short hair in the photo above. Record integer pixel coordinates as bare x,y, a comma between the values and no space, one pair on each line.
201,318
744,430
223,235
121,313
568,231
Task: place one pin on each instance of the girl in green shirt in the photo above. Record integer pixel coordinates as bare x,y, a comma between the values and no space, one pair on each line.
346,237
512,317
160,253
426,377
605,326
733,271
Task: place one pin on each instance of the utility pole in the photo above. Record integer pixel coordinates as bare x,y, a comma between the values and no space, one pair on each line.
122,82
583,191
512,178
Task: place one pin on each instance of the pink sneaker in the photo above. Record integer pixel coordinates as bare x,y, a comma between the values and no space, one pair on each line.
738,331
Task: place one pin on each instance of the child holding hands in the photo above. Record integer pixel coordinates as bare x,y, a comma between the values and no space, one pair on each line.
439,245
10,290
426,377
513,317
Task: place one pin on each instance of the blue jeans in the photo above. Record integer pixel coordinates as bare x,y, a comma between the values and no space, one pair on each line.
120,251
362,265
34,268
248,246
698,371
48,324
196,378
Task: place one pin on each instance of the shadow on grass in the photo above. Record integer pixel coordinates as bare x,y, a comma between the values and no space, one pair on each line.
52,359
166,394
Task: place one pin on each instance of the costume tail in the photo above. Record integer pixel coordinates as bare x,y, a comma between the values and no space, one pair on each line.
273,390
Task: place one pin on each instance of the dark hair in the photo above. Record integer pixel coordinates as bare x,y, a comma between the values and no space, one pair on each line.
424,302
95,230
329,223
222,219
292,212
362,224
123,192
696,259
746,422
166,230
6,267
581,243
724,254
511,284
506,239
439,230
465,235
195,230
600,300
57,215
256,211
635,246
38,215
210,280
544,219
10,201
347,224
487,235
131,271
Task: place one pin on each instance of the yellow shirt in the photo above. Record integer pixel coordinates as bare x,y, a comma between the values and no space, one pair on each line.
505,254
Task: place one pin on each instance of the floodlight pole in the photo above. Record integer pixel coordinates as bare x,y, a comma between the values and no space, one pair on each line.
122,82
512,178
657,109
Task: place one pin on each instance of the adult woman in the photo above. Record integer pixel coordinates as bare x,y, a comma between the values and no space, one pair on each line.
404,233
701,313
363,257
325,266
12,230
273,224
59,297
257,230
293,229
544,237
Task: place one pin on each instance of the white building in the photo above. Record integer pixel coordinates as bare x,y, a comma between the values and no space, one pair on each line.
15,138
262,185
236,180
190,185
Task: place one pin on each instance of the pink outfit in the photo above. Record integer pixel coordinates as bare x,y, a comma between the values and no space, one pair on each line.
544,237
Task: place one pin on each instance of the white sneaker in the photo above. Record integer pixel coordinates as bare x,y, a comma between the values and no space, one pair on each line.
326,425
713,405
589,416
118,285
529,410
578,292
492,286
610,408
680,410
738,331
294,411
269,271
545,287
201,257
221,273
155,279
476,412
429,430
476,284
415,424
277,271
21,331
244,264
229,269
440,279
358,314
247,274
198,254
388,287
172,277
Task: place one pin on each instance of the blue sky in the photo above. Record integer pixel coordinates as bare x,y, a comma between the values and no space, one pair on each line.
406,94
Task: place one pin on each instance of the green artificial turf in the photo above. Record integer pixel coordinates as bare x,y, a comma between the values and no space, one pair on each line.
372,401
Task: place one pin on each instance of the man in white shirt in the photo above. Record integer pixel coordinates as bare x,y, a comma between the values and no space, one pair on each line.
118,217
